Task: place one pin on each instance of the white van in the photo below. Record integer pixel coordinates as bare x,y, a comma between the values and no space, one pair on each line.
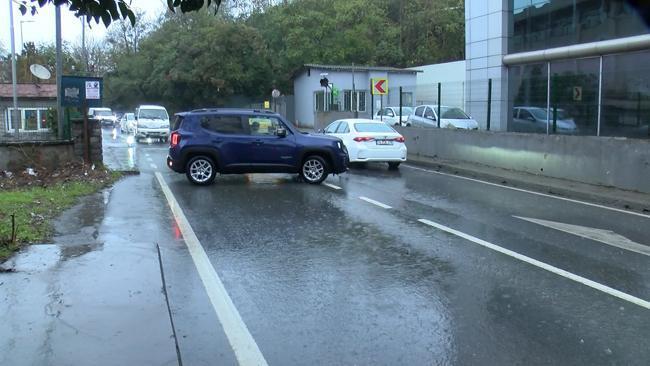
104,115
151,121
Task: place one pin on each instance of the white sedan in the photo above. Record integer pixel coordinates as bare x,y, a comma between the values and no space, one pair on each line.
368,140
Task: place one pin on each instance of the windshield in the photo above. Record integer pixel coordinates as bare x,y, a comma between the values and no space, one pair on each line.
130,116
540,114
373,127
453,113
103,113
153,113
405,110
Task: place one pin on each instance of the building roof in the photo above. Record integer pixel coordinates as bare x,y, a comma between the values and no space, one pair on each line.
36,91
357,68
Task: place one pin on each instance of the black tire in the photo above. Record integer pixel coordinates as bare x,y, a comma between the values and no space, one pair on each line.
393,165
314,169
201,170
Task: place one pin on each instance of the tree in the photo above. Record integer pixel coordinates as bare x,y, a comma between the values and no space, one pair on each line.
109,10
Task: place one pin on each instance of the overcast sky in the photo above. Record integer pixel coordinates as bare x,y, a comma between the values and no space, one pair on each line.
40,27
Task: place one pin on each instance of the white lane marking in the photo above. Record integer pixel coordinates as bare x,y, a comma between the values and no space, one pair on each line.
566,274
153,166
149,159
604,236
241,341
531,192
332,186
376,203
146,154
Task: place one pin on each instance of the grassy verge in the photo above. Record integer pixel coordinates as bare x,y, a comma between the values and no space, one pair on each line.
35,207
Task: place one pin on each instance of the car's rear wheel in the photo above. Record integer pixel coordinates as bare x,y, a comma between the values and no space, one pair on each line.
201,170
393,165
314,169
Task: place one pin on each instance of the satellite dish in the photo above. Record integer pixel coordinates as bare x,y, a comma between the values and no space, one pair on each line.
40,71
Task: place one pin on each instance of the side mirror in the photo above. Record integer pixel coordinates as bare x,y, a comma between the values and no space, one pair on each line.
320,130
281,132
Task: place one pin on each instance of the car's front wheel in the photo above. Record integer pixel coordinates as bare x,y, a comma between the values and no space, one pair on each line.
314,169
201,170
393,165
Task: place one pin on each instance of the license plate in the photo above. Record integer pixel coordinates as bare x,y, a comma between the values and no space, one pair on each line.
384,142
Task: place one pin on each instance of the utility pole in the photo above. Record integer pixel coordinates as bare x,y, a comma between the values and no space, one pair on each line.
83,43
354,97
59,71
13,68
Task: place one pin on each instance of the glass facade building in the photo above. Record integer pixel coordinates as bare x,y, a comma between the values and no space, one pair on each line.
603,94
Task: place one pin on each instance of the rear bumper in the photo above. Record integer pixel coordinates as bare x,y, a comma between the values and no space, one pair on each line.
175,165
398,155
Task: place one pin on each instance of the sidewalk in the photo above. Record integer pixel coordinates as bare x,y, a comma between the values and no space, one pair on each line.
94,296
618,198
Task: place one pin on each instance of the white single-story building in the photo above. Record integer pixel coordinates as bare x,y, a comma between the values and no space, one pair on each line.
311,98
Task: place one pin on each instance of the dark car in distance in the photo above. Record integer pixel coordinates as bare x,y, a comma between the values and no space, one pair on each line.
205,142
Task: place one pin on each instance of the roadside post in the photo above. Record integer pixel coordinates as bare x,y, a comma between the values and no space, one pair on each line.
82,92
400,106
372,101
438,112
489,102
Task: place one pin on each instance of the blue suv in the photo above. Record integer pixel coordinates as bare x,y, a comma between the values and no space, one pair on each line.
205,142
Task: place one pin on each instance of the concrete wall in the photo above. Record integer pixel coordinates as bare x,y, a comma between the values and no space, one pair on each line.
18,156
486,42
617,162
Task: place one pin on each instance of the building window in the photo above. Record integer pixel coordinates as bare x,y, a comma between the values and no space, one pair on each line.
626,95
31,119
354,101
323,102
541,24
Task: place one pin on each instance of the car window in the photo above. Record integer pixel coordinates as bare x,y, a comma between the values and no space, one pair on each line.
418,111
343,128
153,114
428,113
524,114
263,125
332,127
452,113
130,117
514,112
372,127
388,112
229,125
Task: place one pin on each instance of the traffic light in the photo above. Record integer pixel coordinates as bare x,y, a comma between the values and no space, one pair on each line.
324,82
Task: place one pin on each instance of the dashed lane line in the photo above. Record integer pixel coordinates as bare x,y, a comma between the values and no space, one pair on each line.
376,203
566,274
244,346
530,192
154,166
333,186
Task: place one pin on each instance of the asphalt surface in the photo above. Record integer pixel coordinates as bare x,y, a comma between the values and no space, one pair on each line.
351,276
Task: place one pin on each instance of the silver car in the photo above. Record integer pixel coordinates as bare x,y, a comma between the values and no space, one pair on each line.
452,117
390,116
534,120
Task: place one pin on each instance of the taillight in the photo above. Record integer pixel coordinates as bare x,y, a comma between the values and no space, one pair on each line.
175,139
363,139
400,139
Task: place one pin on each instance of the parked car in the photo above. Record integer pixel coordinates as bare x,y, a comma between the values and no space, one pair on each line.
205,142
369,140
534,120
127,123
452,117
390,116
152,121
105,116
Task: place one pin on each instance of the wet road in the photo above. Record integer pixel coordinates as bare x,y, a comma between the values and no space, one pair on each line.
348,273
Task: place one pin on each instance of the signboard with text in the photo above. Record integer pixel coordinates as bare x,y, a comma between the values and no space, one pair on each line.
77,91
